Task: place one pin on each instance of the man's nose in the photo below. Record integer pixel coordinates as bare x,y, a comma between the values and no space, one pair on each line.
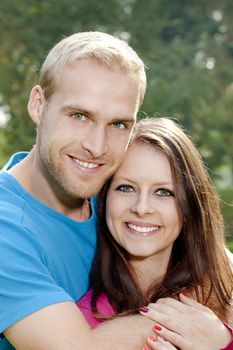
96,142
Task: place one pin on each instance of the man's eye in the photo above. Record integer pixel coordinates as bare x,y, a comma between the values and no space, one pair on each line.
163,192
119,125
79,116
125,188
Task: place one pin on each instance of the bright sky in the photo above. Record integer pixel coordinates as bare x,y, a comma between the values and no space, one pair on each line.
3,117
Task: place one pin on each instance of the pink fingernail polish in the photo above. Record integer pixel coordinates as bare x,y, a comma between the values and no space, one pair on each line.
185,294
157,328
152,338
144,309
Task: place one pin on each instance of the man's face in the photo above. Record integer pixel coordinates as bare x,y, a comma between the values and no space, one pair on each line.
85,127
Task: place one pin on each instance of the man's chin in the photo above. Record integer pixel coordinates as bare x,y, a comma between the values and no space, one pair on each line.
87,193
86,189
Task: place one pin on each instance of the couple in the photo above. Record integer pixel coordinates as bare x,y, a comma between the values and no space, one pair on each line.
85,108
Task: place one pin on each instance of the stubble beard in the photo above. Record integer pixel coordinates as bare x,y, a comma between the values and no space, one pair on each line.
65,185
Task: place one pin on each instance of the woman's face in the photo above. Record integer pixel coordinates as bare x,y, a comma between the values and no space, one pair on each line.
142,212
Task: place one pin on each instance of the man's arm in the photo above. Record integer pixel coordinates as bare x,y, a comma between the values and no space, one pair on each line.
62,326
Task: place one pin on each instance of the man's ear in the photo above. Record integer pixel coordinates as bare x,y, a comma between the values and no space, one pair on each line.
36,104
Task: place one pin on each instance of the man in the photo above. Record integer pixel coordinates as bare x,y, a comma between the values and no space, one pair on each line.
85,107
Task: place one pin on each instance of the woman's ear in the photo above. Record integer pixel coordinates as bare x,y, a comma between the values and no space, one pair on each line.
36,104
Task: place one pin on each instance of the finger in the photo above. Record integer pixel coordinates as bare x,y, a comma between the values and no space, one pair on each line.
171,337
164,317
168,309
174,322
174,304
186,299
159,343
167,306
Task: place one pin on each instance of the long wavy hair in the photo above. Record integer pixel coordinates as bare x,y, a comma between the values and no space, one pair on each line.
198,262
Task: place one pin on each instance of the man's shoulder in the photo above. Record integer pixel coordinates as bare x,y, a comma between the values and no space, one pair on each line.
10,202
11,214
14,210
10,198
14,159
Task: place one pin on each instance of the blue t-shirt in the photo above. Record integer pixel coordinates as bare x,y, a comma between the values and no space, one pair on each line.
45,257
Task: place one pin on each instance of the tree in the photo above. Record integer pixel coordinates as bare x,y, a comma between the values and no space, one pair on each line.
27,31
186,44
188,48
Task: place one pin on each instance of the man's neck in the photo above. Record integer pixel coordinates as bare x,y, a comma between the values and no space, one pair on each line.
31,178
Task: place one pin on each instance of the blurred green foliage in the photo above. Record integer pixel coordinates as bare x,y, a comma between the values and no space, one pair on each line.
226,195
230,244
187,46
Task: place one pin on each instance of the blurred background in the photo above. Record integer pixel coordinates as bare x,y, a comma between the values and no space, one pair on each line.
187,46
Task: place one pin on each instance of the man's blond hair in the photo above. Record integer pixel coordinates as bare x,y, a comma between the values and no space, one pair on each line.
105,49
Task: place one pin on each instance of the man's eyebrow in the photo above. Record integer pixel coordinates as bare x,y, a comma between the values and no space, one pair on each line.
75,108
125,119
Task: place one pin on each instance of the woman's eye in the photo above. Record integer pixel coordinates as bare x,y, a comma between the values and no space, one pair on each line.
125,188
162,192
79,116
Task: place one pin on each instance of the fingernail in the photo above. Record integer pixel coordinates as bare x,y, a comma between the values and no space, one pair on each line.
157,328
185,294
162,337
152,338
144,309
145,348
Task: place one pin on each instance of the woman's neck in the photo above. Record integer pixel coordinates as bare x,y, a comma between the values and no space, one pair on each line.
150,270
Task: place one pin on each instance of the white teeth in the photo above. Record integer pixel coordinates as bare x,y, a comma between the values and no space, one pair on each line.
142,228
86,164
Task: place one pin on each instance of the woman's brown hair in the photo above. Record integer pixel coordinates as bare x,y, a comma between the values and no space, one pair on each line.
198,262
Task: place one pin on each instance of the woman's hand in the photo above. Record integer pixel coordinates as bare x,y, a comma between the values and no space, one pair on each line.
187,325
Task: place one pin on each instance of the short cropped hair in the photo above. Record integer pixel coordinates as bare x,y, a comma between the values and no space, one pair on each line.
105,49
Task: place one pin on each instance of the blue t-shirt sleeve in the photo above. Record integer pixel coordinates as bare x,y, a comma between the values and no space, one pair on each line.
26,284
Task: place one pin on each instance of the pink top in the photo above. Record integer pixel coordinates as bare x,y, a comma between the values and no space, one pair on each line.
230,345
103,307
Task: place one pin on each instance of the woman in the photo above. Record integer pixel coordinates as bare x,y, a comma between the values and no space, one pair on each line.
161,234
